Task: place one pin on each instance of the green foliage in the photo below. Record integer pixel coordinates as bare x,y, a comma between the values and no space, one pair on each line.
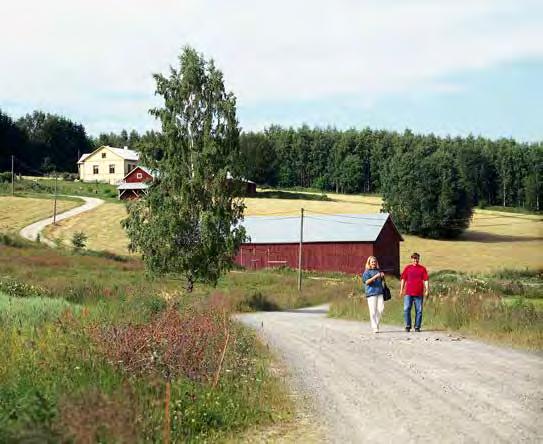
51,143
10,240
5,177
422,190
17,289
184,225
79,240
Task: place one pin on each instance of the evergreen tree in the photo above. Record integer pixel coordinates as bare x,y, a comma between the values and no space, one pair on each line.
187,224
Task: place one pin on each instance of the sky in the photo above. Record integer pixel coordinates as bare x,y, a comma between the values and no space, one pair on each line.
451,67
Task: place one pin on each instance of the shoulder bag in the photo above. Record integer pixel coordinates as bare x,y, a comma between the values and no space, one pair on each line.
386,291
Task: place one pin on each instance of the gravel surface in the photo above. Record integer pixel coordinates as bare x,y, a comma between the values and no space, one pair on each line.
31,232
406,387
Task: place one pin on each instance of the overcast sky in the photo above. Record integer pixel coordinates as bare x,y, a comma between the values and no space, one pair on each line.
449,67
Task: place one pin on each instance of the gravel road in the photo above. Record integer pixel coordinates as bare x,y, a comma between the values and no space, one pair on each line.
31,232
406,387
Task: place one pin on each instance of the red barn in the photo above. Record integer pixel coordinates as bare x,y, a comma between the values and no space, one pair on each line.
135,183
337,242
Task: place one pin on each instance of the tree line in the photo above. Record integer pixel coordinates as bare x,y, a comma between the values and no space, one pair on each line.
43,142
491,172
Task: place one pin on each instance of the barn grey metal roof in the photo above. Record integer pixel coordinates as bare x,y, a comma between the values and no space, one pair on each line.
317,228
132,186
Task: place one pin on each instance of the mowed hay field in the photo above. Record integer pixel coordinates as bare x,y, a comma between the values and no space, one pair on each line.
18,212
494,240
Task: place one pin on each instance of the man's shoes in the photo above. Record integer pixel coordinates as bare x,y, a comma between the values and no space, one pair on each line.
417,329
407,329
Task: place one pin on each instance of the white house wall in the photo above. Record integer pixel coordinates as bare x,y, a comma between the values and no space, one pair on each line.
122,167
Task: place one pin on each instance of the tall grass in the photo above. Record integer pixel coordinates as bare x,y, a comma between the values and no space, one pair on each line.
486,306
92,349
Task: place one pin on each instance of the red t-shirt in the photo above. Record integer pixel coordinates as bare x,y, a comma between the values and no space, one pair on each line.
414,276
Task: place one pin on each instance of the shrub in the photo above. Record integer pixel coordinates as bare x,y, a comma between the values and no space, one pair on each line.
170,345
15,288
5,177
79,240
69,177
11,241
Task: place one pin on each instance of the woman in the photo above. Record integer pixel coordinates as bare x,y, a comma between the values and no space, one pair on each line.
373,280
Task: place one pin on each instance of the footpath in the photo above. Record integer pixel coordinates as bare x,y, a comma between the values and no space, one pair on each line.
32,231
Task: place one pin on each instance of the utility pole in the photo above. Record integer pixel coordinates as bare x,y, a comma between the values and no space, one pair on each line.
55,204
12,176
300,251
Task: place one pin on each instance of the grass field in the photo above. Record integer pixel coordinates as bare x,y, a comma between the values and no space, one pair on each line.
494,240
17,212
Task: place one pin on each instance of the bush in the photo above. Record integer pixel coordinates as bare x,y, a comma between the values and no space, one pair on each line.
69,177
10,241
5,177
79,240
15,288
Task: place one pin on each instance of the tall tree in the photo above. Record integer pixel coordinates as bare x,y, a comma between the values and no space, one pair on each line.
188,223
54,137
425,194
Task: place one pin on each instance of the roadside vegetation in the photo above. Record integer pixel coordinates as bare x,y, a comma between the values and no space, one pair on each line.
505,307
91,349
37,187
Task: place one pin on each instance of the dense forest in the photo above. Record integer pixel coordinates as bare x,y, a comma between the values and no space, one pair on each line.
476,169
501,172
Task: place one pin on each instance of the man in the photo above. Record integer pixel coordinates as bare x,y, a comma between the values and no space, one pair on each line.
414,284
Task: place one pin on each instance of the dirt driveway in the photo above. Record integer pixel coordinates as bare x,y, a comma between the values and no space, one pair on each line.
406,387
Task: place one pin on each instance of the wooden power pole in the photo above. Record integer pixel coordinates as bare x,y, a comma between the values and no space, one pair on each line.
300,251
55,204
12,176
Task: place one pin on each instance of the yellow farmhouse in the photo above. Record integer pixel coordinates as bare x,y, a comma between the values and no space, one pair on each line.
107,164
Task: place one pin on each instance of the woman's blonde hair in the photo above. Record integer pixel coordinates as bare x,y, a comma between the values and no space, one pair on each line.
368,262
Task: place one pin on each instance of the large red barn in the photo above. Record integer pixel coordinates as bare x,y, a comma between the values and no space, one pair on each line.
337,242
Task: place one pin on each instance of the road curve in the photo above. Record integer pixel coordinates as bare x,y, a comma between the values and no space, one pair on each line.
406,387
31,231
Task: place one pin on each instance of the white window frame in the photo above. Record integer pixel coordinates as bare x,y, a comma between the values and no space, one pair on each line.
111,165
95,169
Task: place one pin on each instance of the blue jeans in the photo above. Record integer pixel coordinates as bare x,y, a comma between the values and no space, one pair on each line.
408,302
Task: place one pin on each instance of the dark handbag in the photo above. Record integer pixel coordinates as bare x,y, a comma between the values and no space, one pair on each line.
386,292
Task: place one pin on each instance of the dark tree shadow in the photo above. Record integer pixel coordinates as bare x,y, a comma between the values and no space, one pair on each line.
487,238
277,194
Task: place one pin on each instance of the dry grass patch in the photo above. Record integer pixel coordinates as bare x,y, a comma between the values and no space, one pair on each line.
18,212
102,226
494,240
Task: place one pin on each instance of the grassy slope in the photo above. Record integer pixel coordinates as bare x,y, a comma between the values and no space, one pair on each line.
60,347
494,240
17,212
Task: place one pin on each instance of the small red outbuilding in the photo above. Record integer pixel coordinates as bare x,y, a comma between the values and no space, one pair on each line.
135,183
331,242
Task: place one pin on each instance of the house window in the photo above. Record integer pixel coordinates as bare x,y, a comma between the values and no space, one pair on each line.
139,175
111,169
95,169
103,155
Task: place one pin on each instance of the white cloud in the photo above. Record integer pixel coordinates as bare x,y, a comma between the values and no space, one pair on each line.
95,58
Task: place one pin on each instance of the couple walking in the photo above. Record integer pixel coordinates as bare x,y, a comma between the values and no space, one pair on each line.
413,285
